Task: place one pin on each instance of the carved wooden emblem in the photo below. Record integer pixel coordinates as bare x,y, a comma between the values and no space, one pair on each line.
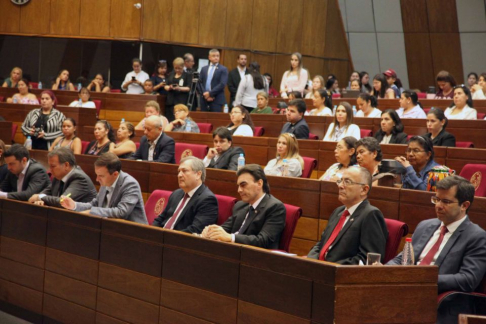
186,153
159,206
476,180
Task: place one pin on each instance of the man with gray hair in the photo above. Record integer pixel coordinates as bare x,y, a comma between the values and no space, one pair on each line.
193,206
155,146
68,179
355,229
214,78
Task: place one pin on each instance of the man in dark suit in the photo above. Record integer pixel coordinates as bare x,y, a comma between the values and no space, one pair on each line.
68,179
26,176
223,155
234,77
193,206
296,123
451,241
188,63
354,229
214,78
155,146
258,220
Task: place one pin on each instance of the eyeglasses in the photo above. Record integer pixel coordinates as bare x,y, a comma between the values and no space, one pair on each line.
348,182
435,200
414,151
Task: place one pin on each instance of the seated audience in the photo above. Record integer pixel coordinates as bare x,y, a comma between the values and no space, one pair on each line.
391,129
84,100
317,84
262,104
462,267
295,95
44,125
366,104
356,85
177,87
68,138
25,176
294,79
446,84
151,108
365,82
182,122
287,149
250,85
68,178
343,124
410,106
381,89
148,87
133,83
479,90
353,77
368,154
155,145
418,162
104,139
3,164
462,106
14,79
322,103
257,220
193,206
394,82
436,125
272,92
24,96
119,197
98,84
125,146
345,154
63,82
223,155
472,79
355,229
296,123
241,123
159,78
332,86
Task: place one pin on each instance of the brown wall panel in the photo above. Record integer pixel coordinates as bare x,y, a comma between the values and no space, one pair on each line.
212,17
442,16
65,17
446,54
28,253
238,23
336,45
264,25
125,19
157,18
251,313
73,290
95,18
315,66
314,27
419,60
169,316
10,21
183,21
22,274
21,296
67,312
229,58
267,64
282,64
289,35
72,266
340,69
35,17
414,16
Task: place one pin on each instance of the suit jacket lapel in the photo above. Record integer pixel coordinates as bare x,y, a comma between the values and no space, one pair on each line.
189,203
258,210
422,241
332,224
351,220
457,233
116,191
218,162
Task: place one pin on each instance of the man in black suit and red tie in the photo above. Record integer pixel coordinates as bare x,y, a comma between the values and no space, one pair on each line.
214,78
354,229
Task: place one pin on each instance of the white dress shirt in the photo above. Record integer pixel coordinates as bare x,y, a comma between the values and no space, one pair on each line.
134,88
190,194
351,211
152,146
110,189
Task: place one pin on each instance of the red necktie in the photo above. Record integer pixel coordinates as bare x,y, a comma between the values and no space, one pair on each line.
171,221
334,234
430,255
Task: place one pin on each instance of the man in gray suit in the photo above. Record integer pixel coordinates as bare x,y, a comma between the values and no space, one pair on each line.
451,241
119,197
68,179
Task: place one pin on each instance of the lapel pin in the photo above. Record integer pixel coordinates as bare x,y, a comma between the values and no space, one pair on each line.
352,219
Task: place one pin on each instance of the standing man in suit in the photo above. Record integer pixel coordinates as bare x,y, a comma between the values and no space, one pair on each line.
223,155
451,241
25,176
155,146
193,206
258,220
214,78
354,229
235,76
296,123
119,197
68,179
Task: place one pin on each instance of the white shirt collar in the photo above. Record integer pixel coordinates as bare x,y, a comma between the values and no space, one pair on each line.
256,203
66,177
157,139
193,191
241,70
24,171
454,225
353,208
114,184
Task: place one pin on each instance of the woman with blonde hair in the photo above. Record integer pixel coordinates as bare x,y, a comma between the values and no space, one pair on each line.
287,149
177,86
317,84
151,108
13,80
182,121
295,79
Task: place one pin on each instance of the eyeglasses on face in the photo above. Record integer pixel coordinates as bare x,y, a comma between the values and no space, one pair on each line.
349,182
414,151
435,200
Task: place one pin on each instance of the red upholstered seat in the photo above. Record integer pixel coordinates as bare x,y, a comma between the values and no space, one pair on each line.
292,217
225,207
184,149
98,107
156,203
258,131
475,173
115,91
426,110
313,136
366,133
205,128
84,145
14,130
421,95
309,165
336,95
396,230
137,144
34,85
464,144
481,115
2,98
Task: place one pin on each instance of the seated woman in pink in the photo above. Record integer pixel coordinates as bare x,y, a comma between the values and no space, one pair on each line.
24,96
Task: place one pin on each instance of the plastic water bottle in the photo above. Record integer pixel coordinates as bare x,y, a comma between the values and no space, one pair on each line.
79,86
407,254
28,143
188,126
241,161
123,120
39,86
14,100
80,103
285,168
225,108
354,111
334,110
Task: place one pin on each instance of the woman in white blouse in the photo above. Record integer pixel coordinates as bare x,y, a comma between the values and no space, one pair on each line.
479,90
343,124
366,104
250,86
295,79
462,106
287,148
83,101
321,102
345,155
241,123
